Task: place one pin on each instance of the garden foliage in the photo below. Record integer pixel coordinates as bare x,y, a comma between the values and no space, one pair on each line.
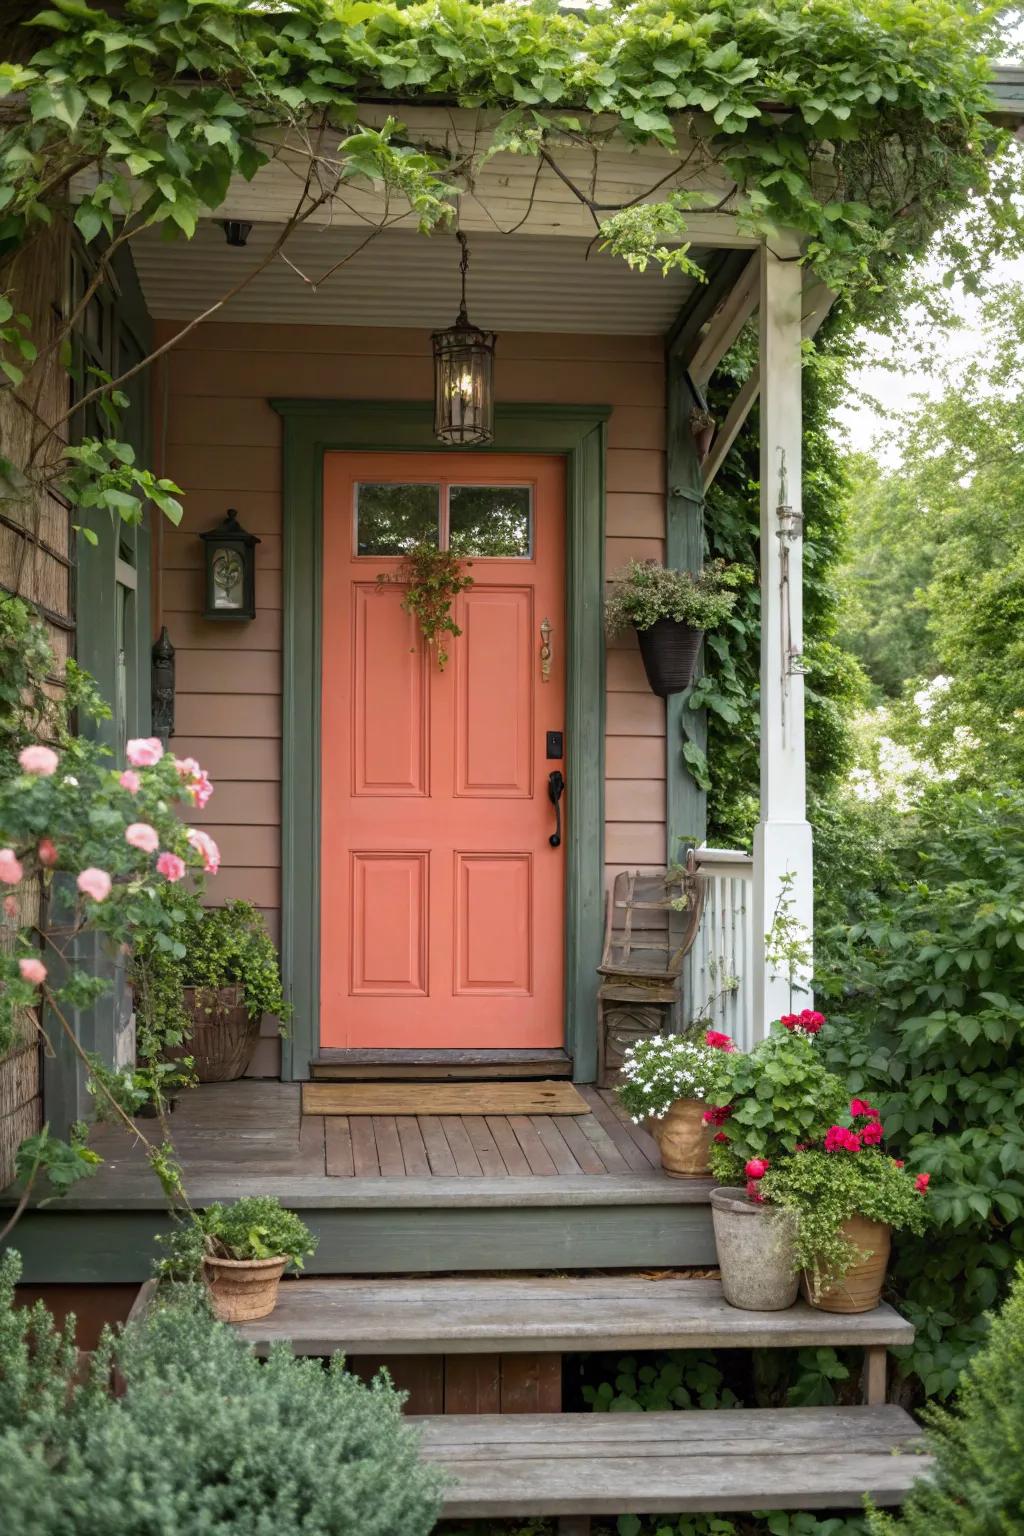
977,1485
204,1438
255,1227
645,592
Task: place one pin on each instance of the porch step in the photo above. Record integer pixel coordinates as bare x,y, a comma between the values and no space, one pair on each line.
647,1463
546,1315
365,1065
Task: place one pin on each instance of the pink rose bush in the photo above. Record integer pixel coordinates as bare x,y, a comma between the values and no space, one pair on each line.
105,840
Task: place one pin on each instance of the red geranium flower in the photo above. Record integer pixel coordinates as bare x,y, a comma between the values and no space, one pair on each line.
839,1139
720,1136
719,1041
753,1191
717,1114
757,1167
872,1133
808,1021
859,1107
899,1162
921,1183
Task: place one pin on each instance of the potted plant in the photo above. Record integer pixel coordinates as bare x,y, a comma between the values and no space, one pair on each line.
240,1251
205,994
702,430
668,1082
670,611
779,1097
847,1196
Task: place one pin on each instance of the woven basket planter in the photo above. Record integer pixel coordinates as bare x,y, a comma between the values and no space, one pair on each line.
684,1141
670,654
860,1289
223,1037
243,1289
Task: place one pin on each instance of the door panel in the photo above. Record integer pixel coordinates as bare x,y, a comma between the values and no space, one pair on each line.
442,898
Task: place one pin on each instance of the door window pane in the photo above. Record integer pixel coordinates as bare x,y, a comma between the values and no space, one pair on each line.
390,519
490,520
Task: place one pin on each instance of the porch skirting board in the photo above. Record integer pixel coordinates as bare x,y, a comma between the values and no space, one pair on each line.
521,1098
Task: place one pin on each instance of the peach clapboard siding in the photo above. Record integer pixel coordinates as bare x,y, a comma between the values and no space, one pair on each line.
218,437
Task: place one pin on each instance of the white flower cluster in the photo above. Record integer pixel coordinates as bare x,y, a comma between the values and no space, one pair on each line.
664,1070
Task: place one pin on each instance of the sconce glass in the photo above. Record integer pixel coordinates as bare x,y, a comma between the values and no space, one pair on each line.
463,376
230,570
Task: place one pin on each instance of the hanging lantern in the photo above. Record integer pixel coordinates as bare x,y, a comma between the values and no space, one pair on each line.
463,376
230,570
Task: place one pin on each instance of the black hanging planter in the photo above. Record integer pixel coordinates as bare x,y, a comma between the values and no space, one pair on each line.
670,651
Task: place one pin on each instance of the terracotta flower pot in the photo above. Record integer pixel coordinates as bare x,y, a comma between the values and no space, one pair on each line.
755,1252
684,1141
670,652
860,1289
223,1036
243,1289
703,437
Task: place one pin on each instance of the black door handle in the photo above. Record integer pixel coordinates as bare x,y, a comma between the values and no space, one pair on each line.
556,788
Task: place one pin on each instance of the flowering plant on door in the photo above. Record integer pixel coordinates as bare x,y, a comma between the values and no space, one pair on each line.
671,1081
433,579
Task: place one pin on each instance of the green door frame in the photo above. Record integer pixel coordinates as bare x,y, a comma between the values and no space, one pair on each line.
313,428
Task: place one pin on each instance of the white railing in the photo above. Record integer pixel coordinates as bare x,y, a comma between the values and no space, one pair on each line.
718,972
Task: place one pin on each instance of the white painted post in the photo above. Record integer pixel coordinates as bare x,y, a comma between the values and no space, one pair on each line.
782,841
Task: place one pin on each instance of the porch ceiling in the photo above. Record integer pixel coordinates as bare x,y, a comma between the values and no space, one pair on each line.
402,278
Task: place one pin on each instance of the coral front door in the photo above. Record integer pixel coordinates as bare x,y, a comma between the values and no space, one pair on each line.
442,895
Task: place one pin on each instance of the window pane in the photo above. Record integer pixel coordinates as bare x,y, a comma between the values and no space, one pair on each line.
392,518
490,520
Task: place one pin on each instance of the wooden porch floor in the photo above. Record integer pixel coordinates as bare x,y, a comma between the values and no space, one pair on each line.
253,1128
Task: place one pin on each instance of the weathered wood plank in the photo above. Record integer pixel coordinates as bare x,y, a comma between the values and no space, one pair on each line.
439,1153
725,1460
556,1148
472,1384
364,1148
579,1144
466,1161
531,1383
633,1156
389,1147
551,1315
526,1098
536,1153
492,1164
643,1138
417,1163
607,1150
512,1153
338,1138
313,1143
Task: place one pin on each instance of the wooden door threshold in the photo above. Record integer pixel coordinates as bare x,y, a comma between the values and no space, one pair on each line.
370,1065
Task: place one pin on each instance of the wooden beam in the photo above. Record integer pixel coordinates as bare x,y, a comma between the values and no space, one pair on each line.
818,299
726,323
722,276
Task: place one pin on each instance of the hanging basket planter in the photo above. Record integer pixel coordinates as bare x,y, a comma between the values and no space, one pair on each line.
702,430
670,652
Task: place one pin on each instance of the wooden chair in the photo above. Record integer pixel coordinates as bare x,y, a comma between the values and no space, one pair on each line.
651,922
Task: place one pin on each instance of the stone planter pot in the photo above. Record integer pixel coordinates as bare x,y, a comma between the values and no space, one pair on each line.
684,1141
242,1290
860,1289
755,1252
670,652
223,1036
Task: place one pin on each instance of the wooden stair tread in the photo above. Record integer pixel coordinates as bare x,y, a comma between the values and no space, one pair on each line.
527,1097
460,1316
646,1463
361,1064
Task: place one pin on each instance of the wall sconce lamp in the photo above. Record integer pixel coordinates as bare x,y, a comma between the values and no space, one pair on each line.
230,570
463,376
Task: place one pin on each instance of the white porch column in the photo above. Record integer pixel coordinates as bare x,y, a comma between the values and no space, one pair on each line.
783,895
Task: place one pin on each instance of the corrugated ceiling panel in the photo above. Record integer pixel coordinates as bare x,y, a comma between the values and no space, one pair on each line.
516,283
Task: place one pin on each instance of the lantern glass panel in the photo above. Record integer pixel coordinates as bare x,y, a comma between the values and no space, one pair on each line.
463,386
228,572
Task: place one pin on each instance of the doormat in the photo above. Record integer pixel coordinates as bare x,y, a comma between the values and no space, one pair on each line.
442,1099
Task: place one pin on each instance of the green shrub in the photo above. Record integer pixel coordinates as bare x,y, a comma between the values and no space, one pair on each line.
925,981
977,1485
205,1439
255,1227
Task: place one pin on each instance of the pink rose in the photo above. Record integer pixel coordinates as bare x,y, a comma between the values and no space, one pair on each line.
33,971
47,852
39,760
872,1133
10,868
142,836
171,866
921,1183
130,781
199,789
203,843
757,1167
95,883
144,751
714,1037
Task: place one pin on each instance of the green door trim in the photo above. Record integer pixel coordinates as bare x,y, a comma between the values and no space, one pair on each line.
313,428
